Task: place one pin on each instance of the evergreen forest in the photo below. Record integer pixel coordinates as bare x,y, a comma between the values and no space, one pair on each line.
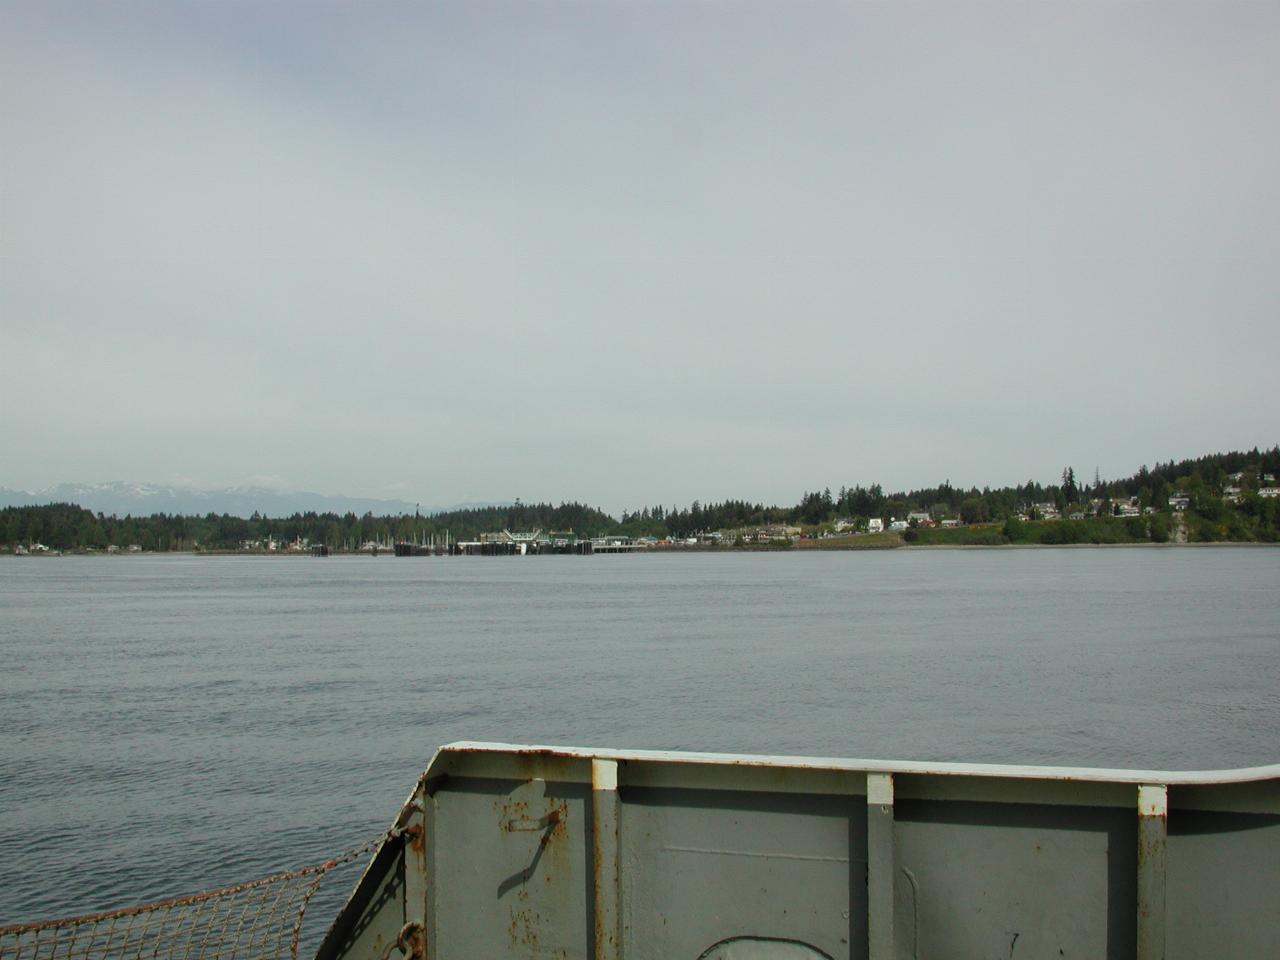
1224,497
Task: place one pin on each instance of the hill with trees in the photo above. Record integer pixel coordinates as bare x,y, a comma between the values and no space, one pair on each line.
1218,497
1221,492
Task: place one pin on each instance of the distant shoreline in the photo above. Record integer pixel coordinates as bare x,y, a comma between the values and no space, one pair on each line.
687,549
1082,546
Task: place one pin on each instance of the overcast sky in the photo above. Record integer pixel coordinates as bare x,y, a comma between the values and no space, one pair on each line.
634,253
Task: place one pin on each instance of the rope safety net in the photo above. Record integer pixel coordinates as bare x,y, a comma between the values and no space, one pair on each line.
258,920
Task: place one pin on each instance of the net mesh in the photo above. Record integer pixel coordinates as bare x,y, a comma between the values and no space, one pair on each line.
260,920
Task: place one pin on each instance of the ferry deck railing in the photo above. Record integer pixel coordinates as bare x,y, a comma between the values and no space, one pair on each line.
521,851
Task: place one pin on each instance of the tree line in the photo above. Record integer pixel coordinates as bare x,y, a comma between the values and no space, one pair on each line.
1202,481
66,526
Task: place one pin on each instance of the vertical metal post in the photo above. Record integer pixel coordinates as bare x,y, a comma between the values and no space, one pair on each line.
431,867
604,849
1153,831
415,861
412,835
880,866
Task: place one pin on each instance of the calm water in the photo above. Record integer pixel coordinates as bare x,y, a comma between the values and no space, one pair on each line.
172,723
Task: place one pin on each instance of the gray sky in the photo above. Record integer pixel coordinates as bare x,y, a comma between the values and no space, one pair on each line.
633,253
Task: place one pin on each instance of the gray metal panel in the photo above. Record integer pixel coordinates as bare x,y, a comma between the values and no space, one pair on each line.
759,858
703,866
513,869
979,880
1223,886
1257,797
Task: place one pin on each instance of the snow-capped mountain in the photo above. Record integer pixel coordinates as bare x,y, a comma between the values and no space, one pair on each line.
144,499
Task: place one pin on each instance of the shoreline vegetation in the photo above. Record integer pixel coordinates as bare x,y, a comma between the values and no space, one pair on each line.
854,545
1220,498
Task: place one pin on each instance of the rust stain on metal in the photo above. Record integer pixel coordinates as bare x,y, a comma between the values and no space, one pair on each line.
519,821
555,845
410,941
544,820
524,928
596,867
416,836
407,811
603,935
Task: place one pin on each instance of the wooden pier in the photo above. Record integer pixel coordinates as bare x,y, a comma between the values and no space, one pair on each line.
508,544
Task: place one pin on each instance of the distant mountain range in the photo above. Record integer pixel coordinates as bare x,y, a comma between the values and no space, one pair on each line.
144,499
